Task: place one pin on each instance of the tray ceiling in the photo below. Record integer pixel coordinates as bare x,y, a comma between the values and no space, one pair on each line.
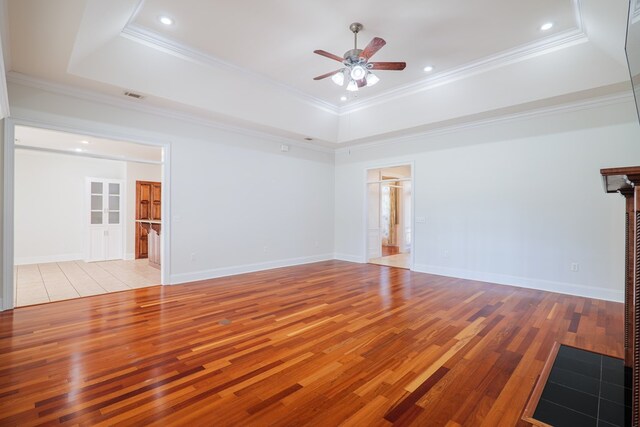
250,63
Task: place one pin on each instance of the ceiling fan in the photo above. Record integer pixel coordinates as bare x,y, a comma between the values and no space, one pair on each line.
357,68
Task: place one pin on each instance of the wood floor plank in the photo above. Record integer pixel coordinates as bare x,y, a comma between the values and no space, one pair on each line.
321,344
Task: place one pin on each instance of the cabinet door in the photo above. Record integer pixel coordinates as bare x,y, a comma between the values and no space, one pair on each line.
104,231
142,241
143,200
156,201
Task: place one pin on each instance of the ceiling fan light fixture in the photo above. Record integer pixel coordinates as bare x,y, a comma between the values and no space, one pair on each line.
352,86
338,78
358,72
372,79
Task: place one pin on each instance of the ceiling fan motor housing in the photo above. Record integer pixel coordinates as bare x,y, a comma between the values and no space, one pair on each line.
353,56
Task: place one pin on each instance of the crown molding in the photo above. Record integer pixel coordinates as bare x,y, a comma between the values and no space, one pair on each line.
156,41
592,103
560,41
520,53
28,81
89,95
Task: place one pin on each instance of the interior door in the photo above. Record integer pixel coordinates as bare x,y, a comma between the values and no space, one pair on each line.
374,237
105,220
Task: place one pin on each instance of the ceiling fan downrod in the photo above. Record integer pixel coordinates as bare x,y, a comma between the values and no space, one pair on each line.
355,28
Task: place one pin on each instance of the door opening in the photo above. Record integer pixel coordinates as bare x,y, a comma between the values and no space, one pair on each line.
87,185
389,216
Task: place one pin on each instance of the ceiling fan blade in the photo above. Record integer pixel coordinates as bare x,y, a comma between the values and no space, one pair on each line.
329,55
324,76
373,46
388,65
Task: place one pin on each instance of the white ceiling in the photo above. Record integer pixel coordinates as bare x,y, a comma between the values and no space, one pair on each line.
277,39
65,142
250,63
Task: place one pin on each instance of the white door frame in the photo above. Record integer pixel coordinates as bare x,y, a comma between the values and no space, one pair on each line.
9,188
365,210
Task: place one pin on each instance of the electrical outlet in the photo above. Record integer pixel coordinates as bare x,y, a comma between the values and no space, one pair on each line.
265,249
193,256
575,267
445,254
317,244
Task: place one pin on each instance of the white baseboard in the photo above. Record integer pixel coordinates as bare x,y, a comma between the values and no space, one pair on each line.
524,282
246,268
2,307
349,258
129,257
47,258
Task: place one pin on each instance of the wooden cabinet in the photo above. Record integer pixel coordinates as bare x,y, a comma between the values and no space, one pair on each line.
148,207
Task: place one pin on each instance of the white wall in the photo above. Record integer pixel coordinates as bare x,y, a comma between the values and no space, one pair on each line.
136,172
50,202
513,203
237,202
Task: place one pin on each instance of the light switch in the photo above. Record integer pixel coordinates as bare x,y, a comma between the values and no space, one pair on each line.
421,219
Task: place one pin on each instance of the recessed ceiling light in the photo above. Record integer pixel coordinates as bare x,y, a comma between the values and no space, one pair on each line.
84,141
428,69
78,150
166,20
546,26
343,98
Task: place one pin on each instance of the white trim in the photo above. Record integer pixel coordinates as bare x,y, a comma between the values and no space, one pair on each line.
132,105
7,214
549,44
9,182
383,165
136,12
524,282
349,258
129,257
592,103
87,154
4,94
28,81
560,41
246,268
47,259
150,38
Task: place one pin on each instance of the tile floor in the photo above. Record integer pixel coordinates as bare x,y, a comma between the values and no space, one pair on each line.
398,260
586,389
40,283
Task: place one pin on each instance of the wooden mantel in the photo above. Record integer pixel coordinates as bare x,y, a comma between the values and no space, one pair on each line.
626,181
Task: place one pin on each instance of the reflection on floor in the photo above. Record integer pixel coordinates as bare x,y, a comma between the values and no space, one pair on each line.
40,283
398,260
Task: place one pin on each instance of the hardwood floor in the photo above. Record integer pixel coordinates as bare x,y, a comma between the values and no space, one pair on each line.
320,344
41,283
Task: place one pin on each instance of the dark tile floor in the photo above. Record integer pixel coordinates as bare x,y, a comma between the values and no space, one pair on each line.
586,389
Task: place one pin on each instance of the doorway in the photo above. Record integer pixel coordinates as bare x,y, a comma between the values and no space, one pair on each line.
390,216
86,186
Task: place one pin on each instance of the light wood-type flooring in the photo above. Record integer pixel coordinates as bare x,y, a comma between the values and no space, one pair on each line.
40,283
324,344
397,260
